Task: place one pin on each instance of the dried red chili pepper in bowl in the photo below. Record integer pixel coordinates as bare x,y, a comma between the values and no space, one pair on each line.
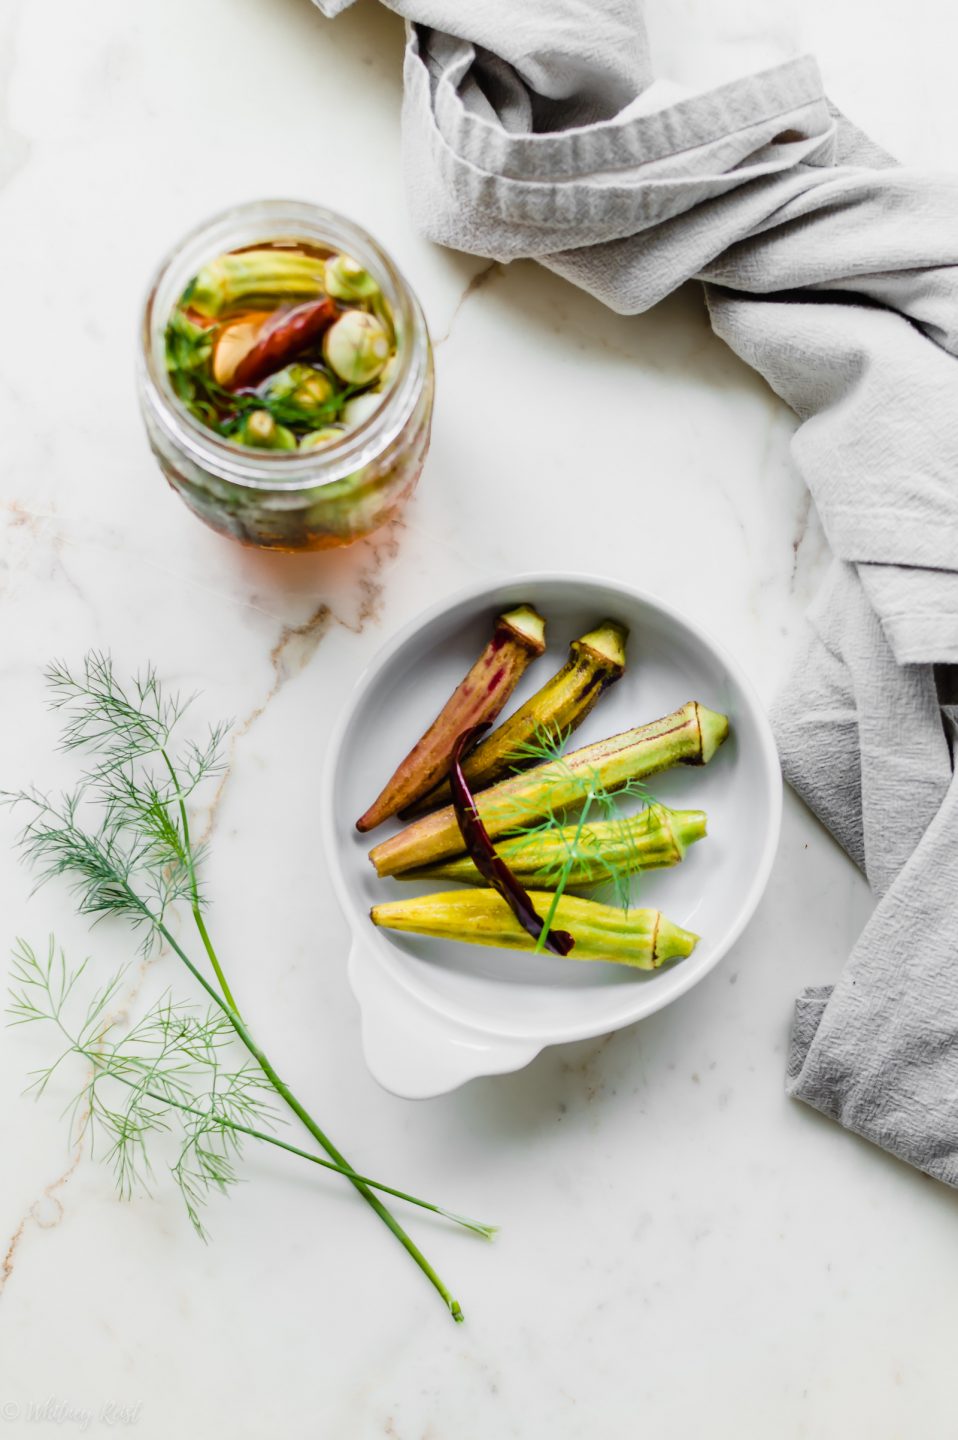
286,377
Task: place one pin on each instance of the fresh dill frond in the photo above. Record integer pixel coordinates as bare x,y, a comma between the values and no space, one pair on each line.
121,724
616,860
104,717
173,1071
121,836
122,841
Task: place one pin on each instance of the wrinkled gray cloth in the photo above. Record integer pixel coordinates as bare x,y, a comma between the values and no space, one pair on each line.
538,129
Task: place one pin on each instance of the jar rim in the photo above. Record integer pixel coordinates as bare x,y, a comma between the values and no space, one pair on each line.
261,221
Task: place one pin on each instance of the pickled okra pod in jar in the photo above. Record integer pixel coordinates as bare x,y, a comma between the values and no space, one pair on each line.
286,377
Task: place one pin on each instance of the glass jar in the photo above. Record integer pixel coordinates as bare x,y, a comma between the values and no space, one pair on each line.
289,500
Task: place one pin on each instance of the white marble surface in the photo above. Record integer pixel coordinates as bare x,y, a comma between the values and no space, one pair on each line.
683,1250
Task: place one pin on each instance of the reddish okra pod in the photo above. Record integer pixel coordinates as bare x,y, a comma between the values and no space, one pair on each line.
288,335
596,661
519,636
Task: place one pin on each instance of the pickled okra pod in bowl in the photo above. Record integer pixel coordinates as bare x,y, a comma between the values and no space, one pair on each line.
510,808
286,377
602,834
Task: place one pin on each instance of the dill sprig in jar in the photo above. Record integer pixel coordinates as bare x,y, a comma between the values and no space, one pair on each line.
286,377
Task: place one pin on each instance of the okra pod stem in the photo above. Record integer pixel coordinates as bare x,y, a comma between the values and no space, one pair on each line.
652,840
519,636
596,661
641,939
689,736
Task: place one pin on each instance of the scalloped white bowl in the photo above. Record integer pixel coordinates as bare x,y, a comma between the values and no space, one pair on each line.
438,1013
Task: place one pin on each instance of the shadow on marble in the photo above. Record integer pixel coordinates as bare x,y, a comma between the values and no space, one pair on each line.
366,34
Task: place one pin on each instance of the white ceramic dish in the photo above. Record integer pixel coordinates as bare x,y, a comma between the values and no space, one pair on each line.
437,1013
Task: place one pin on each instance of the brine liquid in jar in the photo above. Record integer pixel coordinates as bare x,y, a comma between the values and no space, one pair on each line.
286,379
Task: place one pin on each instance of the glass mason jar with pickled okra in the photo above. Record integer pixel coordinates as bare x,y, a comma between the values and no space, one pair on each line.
286,377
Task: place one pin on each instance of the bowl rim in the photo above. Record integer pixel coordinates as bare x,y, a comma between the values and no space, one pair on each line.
646,999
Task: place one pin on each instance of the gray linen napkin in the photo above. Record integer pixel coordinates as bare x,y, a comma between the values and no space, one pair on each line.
539,130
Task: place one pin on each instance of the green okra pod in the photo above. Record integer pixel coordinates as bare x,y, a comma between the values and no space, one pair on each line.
689,736
652,840
259,429
641,939
249,277
596,661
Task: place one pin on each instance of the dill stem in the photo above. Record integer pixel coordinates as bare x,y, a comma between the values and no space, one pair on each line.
299,1110
564,875
214,961
486,1231
194,887
384,1214
230,1009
